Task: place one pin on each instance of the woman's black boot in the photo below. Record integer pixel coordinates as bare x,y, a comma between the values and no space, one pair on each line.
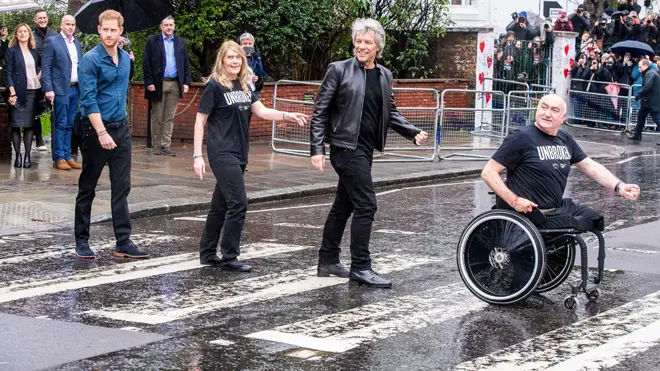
27,163
17,161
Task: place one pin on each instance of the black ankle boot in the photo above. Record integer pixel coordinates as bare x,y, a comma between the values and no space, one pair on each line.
18,161
27,163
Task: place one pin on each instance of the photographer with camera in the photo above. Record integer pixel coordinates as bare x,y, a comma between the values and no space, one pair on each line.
580,21
629,5
601,33
520,26
622,27
562,23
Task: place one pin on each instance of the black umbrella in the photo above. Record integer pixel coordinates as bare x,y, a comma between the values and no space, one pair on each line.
138,14
635,48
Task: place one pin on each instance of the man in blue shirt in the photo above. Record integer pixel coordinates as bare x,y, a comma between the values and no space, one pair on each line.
166,68
104,74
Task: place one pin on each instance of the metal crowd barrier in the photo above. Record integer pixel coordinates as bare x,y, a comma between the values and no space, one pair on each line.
294,139
458,132
634,113
599,110
504,86
290,138
521,109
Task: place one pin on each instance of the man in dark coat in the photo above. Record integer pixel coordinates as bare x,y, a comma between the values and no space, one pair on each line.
166,68
41,32
649,94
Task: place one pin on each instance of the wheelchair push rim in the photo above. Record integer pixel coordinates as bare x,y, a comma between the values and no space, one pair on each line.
501,257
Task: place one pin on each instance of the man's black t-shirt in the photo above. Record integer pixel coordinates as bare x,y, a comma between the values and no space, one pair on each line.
229,113
538,164
371,111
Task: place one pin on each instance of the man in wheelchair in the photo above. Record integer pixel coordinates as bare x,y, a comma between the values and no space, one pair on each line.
505,256
537,160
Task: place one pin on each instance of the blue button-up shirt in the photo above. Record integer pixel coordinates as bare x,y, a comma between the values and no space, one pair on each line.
104,86
170,59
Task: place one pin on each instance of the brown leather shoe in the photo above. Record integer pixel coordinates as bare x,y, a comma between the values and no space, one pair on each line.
73,164
61,165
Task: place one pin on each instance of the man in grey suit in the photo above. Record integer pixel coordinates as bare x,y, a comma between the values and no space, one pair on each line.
59,69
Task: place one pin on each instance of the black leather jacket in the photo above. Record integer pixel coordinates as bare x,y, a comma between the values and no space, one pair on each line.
649,94
338,110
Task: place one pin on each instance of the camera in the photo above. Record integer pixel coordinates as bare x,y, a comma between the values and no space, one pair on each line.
514,15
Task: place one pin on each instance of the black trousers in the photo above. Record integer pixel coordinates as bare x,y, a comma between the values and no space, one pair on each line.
641,119
355,195
227,214
568,208
119,163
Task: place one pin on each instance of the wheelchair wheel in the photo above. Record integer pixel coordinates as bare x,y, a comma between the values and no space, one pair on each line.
501,257
560,259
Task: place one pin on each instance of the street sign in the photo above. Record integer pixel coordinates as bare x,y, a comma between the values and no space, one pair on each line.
551,8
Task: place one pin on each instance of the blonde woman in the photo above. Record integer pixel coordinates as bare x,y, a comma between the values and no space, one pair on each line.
23,71
227,103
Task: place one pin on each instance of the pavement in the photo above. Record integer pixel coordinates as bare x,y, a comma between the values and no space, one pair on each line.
42,198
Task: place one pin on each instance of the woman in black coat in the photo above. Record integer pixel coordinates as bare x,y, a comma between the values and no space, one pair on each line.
23,72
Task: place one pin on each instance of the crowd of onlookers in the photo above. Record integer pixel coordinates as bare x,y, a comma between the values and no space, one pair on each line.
523,53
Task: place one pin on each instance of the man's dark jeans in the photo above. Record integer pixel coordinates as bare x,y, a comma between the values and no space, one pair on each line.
355,195
119,164
227,214
641,120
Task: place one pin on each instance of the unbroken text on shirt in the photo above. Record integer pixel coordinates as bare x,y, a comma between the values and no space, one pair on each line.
553,153
237,97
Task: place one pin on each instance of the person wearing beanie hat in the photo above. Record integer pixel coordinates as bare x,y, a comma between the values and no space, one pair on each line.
562,23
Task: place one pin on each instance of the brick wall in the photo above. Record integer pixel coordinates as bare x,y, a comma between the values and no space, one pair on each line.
261,130
5,135
454,56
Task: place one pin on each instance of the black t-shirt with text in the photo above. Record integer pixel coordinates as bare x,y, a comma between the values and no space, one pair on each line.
371,111
229,113
538,164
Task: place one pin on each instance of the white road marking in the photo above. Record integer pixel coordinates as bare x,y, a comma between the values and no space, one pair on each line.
287,208
388,192
21,289
346,330
394,231
608,338
191,218
627,160
652,155
170,307
59,250
221,342
636,251
297,225
131,328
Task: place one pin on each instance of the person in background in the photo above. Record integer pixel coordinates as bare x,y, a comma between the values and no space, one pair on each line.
60,59
254,61
23,72
562,23
649,95
41,33
166,67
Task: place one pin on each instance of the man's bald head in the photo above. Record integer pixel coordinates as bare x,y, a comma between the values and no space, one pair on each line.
550,113
554,100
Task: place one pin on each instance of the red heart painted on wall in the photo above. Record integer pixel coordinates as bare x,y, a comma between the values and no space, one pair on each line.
490,61
565,72
566,49
488,96
571,62
482,45
481,78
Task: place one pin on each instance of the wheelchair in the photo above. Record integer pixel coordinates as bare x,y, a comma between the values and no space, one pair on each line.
503,257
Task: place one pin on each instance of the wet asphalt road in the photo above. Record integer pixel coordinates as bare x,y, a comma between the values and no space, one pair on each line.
169,313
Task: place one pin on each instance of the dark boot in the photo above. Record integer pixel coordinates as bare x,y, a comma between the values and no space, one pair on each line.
332,269
369,278
27,162
18,161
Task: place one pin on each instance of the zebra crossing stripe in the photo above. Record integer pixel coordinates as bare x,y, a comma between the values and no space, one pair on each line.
21,289
339,332
599,341
162,309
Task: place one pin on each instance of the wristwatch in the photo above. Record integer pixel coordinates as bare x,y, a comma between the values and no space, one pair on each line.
618,186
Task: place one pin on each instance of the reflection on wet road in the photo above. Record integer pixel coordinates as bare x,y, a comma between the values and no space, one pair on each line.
170,313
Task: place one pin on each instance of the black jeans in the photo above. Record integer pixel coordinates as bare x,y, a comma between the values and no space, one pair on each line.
119,164
227,214
355,195
641,119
